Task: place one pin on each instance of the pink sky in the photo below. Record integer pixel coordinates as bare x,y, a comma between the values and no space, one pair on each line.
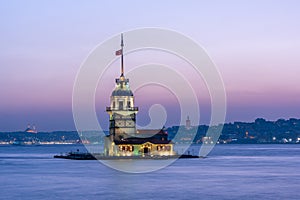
254,44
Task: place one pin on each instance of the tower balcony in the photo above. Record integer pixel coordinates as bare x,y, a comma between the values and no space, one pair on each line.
108,109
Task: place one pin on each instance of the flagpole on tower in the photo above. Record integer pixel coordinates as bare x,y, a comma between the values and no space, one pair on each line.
122,63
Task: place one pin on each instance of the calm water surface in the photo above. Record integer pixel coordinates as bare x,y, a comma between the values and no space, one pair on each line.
230,172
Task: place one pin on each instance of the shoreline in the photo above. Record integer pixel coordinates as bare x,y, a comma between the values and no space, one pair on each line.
90,156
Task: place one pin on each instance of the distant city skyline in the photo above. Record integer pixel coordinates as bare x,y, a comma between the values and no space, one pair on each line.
254,44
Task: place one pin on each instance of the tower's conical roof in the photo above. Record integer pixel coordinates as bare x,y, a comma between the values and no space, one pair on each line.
118,92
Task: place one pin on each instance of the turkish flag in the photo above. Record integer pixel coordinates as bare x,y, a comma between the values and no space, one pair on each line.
119,52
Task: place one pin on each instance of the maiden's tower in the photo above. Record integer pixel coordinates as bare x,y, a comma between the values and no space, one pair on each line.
124,139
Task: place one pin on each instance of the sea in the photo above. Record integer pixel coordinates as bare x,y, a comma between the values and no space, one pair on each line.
247,171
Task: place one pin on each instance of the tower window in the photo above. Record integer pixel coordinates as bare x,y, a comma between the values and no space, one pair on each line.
128,104
114,104
121,105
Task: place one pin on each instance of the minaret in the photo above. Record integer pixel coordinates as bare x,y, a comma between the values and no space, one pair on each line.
122,112
188,123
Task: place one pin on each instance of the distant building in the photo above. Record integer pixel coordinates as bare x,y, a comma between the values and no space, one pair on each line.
30,130
188,123
124,139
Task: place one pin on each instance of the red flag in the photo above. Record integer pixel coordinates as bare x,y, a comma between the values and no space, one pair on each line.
119,52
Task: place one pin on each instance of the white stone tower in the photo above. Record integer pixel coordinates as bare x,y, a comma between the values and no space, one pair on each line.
122,113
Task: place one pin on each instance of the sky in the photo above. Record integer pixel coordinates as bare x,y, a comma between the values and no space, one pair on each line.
254,44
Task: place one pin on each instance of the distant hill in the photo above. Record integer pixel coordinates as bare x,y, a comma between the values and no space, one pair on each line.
259,131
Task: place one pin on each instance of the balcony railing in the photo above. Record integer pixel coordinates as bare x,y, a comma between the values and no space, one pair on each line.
124,109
